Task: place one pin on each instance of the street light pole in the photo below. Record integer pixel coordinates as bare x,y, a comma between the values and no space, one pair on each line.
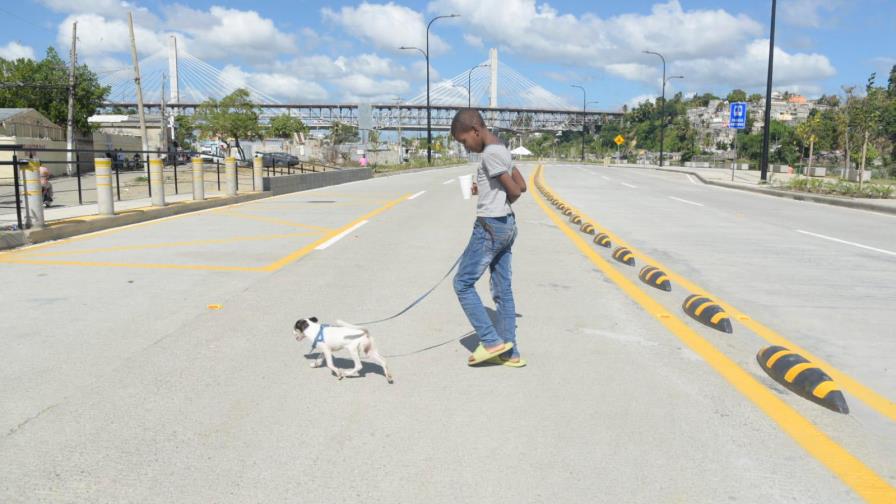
469,81
663,109
428,110
584,104
767,117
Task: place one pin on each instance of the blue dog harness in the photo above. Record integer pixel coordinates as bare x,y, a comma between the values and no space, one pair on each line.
319,338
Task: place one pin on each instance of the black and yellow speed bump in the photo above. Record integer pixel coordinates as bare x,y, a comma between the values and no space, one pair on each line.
576,219
561,206
655,277
802,378
567,211
624,256
587,228
603,240
704,310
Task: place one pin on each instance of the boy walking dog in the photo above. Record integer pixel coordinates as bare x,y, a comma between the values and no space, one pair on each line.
498,185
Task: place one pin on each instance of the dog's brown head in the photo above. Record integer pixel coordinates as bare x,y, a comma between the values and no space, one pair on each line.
301,326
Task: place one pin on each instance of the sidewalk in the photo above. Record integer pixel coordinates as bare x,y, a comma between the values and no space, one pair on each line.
748,180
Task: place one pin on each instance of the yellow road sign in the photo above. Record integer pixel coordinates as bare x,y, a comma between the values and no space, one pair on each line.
619,140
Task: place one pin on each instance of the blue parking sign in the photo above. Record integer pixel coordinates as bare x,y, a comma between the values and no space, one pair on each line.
738,116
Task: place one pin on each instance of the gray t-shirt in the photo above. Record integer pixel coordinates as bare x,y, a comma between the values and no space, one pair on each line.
492,196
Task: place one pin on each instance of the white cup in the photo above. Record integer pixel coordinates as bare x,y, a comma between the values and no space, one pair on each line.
466,186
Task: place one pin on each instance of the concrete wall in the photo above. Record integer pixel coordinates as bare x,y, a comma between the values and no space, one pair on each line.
284,184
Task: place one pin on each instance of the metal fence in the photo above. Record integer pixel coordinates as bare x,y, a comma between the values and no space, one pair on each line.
130,170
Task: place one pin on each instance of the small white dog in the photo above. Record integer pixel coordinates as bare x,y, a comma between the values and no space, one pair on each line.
331,338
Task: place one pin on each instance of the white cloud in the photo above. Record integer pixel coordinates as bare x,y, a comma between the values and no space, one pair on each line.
387,26
637,100
712,47
98,35
15,50
224,32
280,86
473,41
216,33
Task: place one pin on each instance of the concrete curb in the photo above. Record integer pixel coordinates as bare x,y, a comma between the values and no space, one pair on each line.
417,170
815,198
67,228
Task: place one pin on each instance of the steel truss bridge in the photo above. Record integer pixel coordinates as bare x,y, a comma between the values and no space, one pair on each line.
411,117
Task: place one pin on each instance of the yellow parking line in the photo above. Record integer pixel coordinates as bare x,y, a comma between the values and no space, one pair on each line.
852,471
272,220
150,246
298,254
862,392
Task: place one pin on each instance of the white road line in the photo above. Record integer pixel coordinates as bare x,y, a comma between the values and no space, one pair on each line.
629,185
606,177
339,236
686,201
416,195
447,181
854,244
692,179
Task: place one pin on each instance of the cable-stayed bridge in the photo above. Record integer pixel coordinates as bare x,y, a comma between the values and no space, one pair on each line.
508,100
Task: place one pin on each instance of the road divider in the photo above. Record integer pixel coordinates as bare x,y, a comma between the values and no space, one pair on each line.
576,219
655,277
624,256
587,228
603,240
704,310
801,377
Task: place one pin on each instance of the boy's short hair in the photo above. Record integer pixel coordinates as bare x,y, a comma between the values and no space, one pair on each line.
465,119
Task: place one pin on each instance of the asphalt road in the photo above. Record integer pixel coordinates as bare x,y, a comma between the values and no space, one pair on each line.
122,383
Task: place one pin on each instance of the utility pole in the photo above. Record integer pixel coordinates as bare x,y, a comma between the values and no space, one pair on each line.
584,106
137,85
70,129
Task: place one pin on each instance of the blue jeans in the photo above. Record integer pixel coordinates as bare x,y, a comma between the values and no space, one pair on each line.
490,247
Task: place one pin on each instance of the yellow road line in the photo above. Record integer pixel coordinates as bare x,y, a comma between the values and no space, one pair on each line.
104,232
873,399
272,220
99,264
298,254
852,471
150,246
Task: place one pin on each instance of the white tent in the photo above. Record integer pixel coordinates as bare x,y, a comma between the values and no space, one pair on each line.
521,151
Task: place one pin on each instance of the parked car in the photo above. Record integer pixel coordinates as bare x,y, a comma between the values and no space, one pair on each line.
271,159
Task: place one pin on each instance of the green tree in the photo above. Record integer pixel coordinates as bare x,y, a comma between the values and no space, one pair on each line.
184,131
230,119
285,126
342,133
737,95
755,98
43,86
808,132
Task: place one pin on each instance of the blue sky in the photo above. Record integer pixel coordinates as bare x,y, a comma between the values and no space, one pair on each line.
311,51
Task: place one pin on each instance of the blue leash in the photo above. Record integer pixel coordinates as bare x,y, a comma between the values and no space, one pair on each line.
417,301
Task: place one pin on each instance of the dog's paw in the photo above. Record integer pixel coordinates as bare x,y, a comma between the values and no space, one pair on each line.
353,374
314,364
339,374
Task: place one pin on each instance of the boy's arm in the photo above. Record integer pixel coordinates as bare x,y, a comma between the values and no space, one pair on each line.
511,187
518,178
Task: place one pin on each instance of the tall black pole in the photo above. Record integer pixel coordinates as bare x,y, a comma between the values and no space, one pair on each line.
428,111
584,105
663,113
767,118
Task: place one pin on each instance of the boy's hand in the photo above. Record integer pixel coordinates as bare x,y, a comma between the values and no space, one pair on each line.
475,189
